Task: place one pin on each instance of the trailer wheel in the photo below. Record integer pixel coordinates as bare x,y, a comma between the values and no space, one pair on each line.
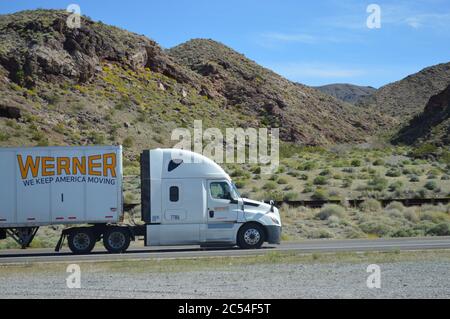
116,240
81,241
251,236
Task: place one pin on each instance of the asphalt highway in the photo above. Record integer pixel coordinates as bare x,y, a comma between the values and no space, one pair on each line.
306,246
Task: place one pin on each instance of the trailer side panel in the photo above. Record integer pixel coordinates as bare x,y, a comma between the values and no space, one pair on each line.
60,185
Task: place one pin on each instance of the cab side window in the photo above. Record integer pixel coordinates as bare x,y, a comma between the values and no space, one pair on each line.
220,190
174,194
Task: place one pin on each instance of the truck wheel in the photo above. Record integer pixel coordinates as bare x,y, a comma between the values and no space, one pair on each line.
251,236
81,241
116,240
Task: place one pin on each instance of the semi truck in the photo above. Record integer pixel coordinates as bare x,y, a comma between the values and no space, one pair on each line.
186,199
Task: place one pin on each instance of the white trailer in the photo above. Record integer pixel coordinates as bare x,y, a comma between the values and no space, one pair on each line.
186,199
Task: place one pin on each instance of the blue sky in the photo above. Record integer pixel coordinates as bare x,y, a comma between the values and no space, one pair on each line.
315,42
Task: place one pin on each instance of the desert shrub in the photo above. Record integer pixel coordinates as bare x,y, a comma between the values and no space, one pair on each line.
445,177
371,205
239,183
378,162
334,193
308,189
275,195
129,198
256,170
293,173
330,210
431,185
435,216
414,178
325,172
406,232
393,213
289,196
320,180
423,151
392,172
270,185
282,181
123,103
411,215
395,186
97,138
377,183
238,172
442,229
303,177
281,169
333,221
378,227
128,142
396,205
307,166
4,137
347,183
320,233
355,163
319,194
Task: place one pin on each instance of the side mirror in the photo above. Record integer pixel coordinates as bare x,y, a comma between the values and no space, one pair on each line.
272,204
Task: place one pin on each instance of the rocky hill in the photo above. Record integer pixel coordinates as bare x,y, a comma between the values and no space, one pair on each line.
101,85
432,125
347,92
303,113
406,98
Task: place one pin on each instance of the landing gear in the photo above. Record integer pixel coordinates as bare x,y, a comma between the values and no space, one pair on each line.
23,236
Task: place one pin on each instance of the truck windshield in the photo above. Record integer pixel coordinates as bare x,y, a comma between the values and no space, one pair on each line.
234,191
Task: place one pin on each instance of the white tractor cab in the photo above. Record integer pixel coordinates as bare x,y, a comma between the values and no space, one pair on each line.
187,199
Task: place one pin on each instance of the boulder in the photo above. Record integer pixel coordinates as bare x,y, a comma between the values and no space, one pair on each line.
10,112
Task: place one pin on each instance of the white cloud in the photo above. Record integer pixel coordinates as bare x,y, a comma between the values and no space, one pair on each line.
440,21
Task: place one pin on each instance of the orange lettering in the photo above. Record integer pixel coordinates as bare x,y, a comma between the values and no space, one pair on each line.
29,164
63,163
48,167
79,166
109,164
92,165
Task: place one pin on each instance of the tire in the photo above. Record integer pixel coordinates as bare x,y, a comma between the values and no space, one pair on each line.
81,241
251,236
116,240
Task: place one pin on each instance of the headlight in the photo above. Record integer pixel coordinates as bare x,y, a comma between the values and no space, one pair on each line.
275,220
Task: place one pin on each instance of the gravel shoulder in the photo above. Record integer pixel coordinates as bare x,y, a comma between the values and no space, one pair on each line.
342,275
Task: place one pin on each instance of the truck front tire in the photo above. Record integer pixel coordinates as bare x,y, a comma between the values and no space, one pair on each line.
116,239
81,241
251,236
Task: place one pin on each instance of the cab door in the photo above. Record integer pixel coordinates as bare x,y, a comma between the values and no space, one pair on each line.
222,211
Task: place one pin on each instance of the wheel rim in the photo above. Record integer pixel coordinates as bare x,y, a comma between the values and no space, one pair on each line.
81,241
252,236
116,240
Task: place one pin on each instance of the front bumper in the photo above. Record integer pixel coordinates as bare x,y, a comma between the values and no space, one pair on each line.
273,234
